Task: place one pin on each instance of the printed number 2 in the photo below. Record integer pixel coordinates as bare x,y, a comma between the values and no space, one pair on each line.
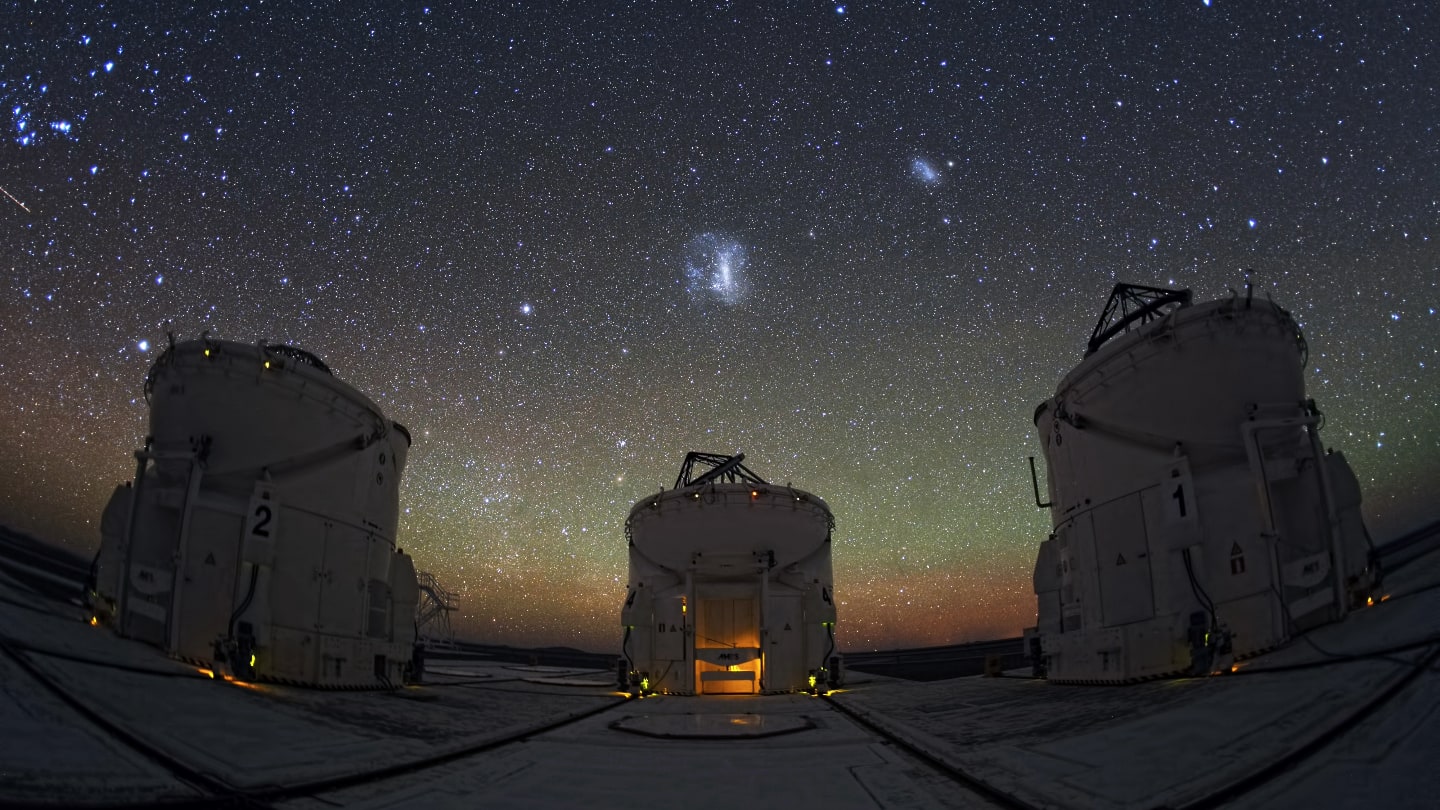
1179,497
263,513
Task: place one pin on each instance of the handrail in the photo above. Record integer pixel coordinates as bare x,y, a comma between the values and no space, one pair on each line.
1035,484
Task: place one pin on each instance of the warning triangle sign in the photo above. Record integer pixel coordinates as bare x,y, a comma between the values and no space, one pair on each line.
210,558
1235,550
787,625
1120,559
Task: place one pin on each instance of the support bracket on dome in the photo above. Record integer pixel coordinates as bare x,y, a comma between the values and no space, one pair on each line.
1131,305
728,469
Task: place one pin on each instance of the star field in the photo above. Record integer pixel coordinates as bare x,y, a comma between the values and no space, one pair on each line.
566,243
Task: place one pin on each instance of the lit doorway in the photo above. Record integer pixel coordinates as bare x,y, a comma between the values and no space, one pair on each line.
727,646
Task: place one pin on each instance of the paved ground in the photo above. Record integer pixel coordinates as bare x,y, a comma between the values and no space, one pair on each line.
1305,726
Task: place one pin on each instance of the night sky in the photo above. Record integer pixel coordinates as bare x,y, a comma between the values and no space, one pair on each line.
566,243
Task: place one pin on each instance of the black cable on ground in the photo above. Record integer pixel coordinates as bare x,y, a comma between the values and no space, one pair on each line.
223,795
249,596
1197,590
14,644
1294,757
36,608
218,790
207,803
1383,653
334,783
48,597
967,780
1422,589
1305,637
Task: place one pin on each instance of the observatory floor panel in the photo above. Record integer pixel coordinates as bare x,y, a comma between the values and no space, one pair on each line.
826,761
1176,741
1388,759
547,737
48,750
248,736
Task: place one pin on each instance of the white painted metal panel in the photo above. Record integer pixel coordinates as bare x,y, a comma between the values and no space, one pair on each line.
670,630
209,582
299,562
786,660
1122,557
343,585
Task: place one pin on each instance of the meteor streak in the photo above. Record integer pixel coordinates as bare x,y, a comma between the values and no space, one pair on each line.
12,199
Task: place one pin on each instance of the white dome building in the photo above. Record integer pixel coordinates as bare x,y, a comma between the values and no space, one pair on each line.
1196,515
730,587
258,535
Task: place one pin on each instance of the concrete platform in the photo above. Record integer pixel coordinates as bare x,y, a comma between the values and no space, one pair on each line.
1347,716
833,764
1186,741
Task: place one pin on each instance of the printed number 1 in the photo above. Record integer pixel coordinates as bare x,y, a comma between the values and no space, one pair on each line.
1179,497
